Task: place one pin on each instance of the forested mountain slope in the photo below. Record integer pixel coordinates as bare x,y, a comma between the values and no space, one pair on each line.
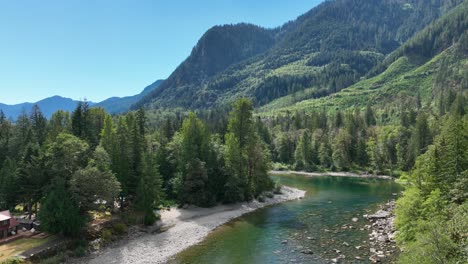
327,49
219,48
431,67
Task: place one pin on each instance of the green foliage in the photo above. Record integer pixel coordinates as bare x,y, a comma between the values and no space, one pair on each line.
149,218
66,155
13,261
80,251
196,161
59,214
246,156
106,235
92,187
149,188
242,60
8,185
436,198
341,154
120,228
60,122
57,259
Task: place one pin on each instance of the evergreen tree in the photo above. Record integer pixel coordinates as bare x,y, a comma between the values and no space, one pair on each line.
195,152
6,134
285,148
245,156
77,120
122,164
108,139
149,194
341,150
23,135
369,116
305,153
421,137
325,155
32,177
59,214
8,185
452,152
39,125
60,122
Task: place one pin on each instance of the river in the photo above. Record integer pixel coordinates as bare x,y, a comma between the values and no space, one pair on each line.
284,233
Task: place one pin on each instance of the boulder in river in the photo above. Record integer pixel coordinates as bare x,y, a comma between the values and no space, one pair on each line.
379,215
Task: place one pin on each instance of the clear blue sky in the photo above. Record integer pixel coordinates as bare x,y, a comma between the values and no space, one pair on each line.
97,49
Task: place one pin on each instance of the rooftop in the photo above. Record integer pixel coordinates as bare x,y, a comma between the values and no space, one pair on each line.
5,215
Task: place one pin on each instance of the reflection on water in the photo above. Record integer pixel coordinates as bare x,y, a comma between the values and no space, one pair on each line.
289,232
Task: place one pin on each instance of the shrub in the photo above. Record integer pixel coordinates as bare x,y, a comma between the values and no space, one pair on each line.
13,261
150,218
57,259
106,235
277,189
79,251
120,228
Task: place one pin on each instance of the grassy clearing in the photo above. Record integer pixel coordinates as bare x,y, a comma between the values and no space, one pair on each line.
18,246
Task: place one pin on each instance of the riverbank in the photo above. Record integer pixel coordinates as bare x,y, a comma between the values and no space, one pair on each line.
185,228
334,174
382,236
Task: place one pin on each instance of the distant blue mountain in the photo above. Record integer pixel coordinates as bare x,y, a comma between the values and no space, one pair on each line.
117,105
48,106
113,105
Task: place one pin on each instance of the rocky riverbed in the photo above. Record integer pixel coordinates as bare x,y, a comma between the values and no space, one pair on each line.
185,228
382,233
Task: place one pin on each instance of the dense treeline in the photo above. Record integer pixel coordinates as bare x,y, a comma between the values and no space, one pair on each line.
432,215
65,168
425,144
368,140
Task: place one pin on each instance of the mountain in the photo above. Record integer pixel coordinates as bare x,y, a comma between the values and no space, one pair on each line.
328,48
219,48
118,105
113,105
431,68
48,106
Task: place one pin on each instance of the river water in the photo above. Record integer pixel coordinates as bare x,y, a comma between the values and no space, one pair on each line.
284,233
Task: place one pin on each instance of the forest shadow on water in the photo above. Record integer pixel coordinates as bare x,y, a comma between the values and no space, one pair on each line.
290,232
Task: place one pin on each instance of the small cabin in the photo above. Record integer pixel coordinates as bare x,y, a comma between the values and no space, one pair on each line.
8,224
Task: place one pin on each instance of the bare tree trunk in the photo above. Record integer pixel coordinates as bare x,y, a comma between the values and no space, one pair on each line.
29,209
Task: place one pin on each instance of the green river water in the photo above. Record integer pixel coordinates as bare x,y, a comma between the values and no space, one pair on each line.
314,223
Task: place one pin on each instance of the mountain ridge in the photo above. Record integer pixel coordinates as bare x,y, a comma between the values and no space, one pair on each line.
430,65
49,105
302,54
